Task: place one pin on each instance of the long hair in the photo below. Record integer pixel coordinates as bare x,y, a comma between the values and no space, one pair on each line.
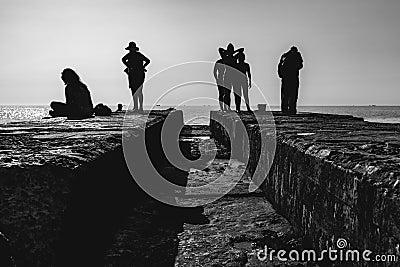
69,76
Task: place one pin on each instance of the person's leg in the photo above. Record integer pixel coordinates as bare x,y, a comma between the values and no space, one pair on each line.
284,97
221,95
135,94
140,97
294,96
133,86
139,92
59,109
57,106
245,88
292,104
228,84
227,98
135,99
237,91
289,105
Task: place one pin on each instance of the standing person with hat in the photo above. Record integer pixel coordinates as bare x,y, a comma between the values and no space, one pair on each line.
136,64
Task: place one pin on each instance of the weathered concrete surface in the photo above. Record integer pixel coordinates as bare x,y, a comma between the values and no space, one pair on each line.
240,222
332,176
40,162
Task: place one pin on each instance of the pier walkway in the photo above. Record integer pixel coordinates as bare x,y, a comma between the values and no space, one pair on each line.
67,197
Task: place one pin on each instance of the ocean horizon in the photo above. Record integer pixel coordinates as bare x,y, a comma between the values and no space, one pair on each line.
199,114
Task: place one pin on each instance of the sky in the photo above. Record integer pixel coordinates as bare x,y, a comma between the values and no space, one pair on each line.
351,48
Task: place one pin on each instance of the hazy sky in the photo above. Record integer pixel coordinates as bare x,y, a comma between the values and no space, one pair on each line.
351,48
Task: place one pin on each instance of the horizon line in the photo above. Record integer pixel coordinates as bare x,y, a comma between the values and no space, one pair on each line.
214,105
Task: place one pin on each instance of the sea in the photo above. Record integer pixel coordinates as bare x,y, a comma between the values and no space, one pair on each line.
200,114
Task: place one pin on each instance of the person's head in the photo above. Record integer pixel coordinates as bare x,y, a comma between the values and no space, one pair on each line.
69,76
230,49
293,49
120,107
222,53
132,47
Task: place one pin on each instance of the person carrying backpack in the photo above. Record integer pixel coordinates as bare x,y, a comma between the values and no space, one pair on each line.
289,66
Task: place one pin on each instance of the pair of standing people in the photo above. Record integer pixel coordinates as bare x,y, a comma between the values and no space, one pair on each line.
136,64
232,72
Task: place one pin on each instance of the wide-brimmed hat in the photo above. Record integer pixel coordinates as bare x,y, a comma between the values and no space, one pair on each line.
132,46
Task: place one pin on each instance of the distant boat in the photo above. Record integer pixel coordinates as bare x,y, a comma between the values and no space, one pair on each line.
372,105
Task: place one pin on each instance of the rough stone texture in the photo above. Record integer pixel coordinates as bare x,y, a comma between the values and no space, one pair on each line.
38,164
332,176
240,222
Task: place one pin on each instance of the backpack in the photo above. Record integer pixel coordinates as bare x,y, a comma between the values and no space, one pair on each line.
102,110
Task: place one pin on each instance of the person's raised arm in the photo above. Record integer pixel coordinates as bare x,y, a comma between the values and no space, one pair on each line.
239,50
249,74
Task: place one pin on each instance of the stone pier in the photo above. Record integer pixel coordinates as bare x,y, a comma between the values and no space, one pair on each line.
67,197
65,189
332,176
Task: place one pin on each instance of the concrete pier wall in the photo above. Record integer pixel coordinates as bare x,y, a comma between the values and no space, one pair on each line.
67,180
332,176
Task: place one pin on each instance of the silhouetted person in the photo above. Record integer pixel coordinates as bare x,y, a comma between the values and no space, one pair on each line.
242,82
119,108
288,70
78,101
136,64
223,93
230,57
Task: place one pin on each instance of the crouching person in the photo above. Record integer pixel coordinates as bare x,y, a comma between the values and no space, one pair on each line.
78,100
